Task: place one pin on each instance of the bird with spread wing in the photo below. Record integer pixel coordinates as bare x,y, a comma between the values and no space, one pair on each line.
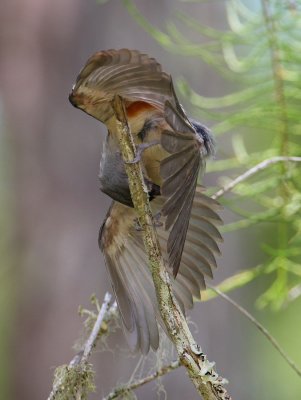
173,151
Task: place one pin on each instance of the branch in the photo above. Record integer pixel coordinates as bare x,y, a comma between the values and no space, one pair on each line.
252,171
261,328
91,341
127,388
278,77
200,370
234,282
77,374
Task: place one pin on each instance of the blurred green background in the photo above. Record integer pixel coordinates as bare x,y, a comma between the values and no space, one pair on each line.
51,208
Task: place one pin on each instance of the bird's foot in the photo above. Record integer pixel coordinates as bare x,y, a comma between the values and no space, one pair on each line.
140,149
156,222
137,225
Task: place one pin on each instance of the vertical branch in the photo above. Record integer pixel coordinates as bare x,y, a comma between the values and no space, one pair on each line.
283,129
200,370
278,72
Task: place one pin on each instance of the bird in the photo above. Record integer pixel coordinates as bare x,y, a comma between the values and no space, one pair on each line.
173,150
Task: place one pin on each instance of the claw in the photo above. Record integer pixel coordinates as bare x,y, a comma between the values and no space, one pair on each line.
140,149
137,225
156,222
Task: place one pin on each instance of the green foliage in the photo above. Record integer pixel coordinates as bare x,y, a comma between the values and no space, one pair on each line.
260,53
9,281
234,282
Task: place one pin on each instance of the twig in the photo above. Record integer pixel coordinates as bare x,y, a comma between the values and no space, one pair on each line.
278,77
252,171
127,388
81,358
96,329
262,329
234,282
200,370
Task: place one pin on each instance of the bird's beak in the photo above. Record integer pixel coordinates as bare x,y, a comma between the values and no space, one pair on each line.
72,97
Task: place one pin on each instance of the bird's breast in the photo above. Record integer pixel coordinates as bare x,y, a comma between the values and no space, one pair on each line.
138,112
112,176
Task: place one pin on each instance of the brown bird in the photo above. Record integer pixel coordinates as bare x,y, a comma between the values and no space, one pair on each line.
173,150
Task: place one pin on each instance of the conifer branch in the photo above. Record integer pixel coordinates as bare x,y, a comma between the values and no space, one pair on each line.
261,328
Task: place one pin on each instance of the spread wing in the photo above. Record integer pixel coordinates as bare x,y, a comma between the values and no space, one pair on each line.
131,280
133,75
179,173
123,248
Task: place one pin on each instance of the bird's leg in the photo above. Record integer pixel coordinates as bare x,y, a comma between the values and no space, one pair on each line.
140,149
156,222
137,225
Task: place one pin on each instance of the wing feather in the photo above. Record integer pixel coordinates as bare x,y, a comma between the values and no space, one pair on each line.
129,73
179,172
131,279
